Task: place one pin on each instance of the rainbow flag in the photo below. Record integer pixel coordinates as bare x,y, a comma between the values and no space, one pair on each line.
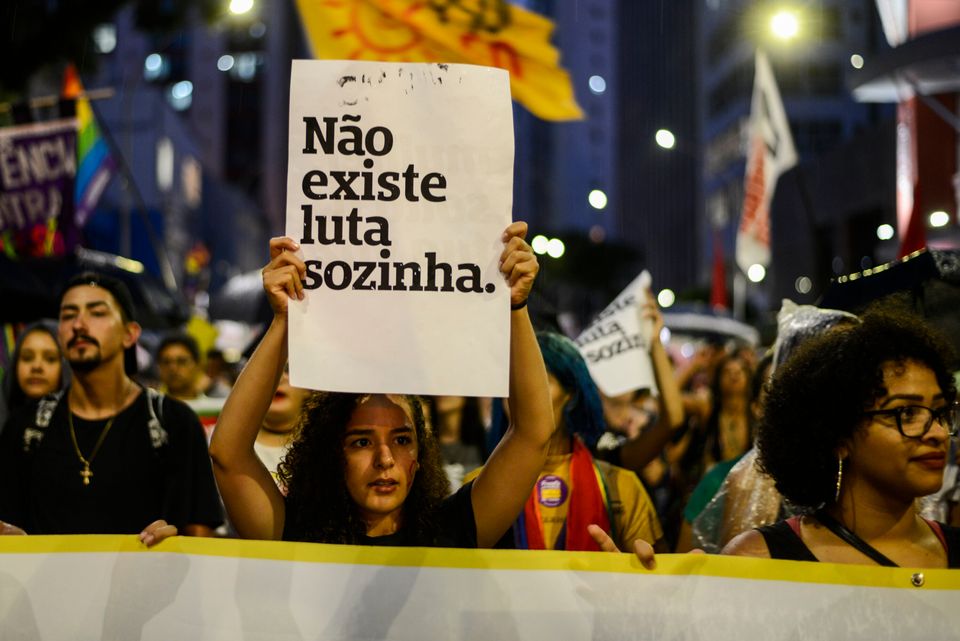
95,165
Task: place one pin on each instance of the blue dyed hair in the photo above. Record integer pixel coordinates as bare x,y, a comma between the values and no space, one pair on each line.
583,413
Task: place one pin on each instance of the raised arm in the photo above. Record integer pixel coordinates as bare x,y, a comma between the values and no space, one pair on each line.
502,488
253,502
637,452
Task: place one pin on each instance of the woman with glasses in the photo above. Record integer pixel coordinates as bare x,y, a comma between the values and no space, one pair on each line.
856,427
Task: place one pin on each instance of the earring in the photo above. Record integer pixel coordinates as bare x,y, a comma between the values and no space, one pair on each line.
839,478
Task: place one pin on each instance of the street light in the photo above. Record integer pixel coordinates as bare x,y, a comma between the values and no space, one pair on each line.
555,248
756,273
539,244
885,232
785,24
939,219
665,138
666,298
239,7
597,199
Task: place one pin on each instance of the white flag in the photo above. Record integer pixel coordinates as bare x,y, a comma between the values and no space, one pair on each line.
771,152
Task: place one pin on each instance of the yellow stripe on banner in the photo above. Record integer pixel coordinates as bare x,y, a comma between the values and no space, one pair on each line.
667,564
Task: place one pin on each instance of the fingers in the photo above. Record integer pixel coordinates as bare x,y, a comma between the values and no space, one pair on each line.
602,539
7,529
517,229
156,532
518,263
645,555
280,244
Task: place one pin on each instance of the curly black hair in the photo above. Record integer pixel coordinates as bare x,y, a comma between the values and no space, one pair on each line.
319,505
816,399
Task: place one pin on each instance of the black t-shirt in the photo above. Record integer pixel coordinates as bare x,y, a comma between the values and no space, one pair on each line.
132,485
456,527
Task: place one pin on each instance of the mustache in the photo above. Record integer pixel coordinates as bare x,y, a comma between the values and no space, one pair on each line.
82,337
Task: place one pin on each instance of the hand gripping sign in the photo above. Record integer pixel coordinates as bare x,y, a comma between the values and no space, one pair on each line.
399,187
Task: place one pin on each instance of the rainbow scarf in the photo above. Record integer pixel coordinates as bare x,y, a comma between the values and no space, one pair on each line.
589,503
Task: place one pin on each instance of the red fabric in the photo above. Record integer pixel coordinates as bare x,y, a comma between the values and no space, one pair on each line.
718,289
585,506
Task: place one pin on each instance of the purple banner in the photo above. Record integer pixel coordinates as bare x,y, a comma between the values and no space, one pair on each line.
38,167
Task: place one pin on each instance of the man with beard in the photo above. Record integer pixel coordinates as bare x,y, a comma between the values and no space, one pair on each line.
107,456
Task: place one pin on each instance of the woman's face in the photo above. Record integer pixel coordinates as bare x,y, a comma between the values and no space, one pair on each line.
39,367
284,410
559,397
380,450
893,464
734,377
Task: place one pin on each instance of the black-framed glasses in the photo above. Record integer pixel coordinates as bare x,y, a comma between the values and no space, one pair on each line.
914,421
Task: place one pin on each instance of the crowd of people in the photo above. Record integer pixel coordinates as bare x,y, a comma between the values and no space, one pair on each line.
833,446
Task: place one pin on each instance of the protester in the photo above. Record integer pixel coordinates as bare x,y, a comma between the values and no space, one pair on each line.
856,427
279,425
37,368
182,377
458,422
574,489
363,468
107,456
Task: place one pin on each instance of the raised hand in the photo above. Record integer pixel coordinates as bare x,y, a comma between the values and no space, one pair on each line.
518,263
284,274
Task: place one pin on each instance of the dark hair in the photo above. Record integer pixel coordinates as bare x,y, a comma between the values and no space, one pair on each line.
816,399
712,444
188,342
314,467
116,288
12,392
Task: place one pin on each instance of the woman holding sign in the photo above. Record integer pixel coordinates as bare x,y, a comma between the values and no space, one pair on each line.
363,468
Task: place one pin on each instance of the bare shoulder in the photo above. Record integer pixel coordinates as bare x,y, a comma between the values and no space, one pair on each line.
749,543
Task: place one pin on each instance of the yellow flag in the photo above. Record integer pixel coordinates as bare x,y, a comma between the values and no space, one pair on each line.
479,32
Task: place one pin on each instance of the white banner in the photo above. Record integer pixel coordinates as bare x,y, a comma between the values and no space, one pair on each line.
770,153
399,187
616,345
108,587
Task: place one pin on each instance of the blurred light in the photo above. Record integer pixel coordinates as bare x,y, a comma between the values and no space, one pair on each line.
665,335
181,95
597,199
597,234
687,350
105,37
939,219
232,355
756,273
784,25
258,29
665,138
885,232
238,7
164,164
128,264
555,248
666,298
539,244
246,68
153,66
856,61
225,62
803,285
597,84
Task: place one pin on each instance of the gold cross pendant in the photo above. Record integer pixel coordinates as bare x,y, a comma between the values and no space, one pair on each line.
86,474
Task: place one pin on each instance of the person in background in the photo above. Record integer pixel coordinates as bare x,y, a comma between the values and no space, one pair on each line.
460,428
108,456
182,376
279,425
37,368
574,489
219,375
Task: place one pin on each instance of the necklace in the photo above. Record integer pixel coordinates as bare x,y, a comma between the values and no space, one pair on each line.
86,473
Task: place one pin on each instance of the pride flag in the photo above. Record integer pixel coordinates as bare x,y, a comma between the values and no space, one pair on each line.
95,165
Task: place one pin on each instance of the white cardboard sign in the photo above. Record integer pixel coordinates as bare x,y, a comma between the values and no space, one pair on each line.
617,347
399,186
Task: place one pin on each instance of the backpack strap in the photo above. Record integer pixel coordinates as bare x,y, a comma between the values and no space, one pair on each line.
158,435
33,435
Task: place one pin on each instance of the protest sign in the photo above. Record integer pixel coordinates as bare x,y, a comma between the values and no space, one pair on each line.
111,587
38,166
616,345
399,188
